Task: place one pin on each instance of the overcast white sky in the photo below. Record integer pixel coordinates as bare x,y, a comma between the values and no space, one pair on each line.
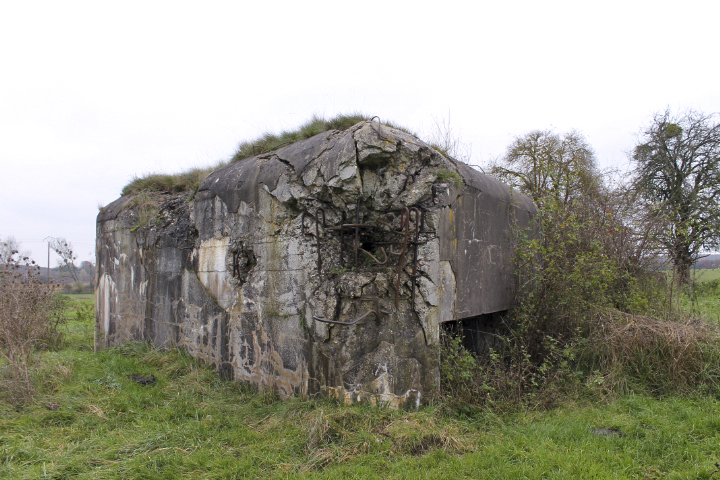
94,93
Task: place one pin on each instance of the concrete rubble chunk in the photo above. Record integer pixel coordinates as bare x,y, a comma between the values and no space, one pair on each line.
329,265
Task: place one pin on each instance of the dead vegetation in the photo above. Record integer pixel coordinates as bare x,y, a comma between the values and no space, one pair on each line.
664,356
615,354
339,434
30,313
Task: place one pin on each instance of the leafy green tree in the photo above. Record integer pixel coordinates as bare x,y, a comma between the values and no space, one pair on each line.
542,163
677,175
585,251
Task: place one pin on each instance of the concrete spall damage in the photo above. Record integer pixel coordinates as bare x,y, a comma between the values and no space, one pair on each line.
329,265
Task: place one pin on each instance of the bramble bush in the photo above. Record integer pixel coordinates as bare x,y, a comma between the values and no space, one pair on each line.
591,317
592,314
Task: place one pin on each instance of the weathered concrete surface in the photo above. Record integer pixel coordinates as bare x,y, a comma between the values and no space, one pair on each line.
327,265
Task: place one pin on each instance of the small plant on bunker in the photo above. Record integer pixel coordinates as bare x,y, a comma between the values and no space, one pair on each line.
146,208
449,176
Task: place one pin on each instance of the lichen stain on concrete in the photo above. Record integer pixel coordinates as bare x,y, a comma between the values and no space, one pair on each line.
328,265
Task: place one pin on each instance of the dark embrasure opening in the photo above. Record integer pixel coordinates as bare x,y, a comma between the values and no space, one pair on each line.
478,334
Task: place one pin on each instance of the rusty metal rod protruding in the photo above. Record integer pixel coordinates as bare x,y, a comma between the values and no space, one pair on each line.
393,252
349,225
389,225
302,222
374,257
354,322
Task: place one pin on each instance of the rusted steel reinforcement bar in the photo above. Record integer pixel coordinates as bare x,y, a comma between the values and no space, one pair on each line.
412,224
302,222
374,257
347,225
354,322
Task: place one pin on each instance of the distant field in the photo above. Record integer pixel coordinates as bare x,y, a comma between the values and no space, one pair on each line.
701,275
707,274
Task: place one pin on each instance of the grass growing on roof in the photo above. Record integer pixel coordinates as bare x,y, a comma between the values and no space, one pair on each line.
188,181
191,180
271,141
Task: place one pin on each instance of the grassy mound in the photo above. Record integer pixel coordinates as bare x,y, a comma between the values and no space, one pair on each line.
269,141
191,180
188,181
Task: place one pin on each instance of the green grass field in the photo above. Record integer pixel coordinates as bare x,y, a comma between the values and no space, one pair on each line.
705,302
706,274
90,421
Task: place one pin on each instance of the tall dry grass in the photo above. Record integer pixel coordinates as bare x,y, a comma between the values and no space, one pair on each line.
660,356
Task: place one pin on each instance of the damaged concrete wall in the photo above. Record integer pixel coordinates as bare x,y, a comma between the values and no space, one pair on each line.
326,265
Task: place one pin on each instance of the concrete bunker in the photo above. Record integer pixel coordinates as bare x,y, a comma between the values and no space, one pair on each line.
329,265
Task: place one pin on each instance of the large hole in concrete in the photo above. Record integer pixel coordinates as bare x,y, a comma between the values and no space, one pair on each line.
243,260
479,334
367,240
